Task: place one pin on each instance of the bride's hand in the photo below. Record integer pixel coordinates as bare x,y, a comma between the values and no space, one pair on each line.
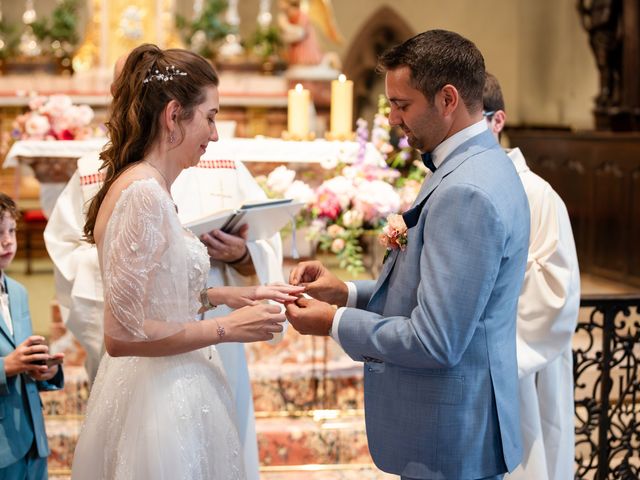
252,324
238,297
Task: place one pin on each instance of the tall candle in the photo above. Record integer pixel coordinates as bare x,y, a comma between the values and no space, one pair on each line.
298,112
341,107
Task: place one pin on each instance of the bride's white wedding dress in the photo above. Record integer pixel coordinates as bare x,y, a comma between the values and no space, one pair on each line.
155,418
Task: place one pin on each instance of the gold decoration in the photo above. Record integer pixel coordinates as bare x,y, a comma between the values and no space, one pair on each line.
128,24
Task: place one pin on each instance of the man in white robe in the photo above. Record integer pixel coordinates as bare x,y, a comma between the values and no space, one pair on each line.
212,185
547,316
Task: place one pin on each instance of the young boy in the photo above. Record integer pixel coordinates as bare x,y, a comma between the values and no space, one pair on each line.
25,367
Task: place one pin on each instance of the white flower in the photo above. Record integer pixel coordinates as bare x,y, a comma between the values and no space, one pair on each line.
57,105
352,218
37,125
376,199
329,163
280,179
301,192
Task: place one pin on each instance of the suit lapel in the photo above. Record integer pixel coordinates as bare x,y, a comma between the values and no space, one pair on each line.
471,147
5,330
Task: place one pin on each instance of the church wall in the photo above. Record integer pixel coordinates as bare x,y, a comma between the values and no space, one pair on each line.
537,49
557,75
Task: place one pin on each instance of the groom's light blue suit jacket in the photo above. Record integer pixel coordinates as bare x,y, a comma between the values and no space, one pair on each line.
21,420
437,330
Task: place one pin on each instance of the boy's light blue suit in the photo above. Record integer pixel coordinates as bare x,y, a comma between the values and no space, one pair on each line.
20,408
438,333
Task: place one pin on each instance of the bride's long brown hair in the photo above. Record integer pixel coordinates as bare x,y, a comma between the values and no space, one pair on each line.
134,121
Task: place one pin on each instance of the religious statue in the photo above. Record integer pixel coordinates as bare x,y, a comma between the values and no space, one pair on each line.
298,32
602,19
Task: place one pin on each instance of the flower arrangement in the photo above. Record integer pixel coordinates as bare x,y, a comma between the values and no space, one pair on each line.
359,197
54,118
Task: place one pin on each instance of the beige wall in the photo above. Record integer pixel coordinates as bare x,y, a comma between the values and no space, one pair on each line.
537,48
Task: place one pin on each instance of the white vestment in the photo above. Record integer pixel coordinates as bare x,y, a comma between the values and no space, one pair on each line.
547,316
213,185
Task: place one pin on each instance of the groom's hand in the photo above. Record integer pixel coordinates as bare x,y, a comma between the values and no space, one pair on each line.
320,283
311,317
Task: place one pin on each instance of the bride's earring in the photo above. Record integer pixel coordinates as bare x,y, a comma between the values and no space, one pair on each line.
171,137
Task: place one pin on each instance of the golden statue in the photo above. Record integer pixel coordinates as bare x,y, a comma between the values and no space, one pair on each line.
117,26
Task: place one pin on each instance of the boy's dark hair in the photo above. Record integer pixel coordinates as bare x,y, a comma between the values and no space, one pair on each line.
437,58
7,205
492,99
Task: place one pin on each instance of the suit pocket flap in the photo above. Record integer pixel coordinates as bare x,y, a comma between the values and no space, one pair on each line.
425,387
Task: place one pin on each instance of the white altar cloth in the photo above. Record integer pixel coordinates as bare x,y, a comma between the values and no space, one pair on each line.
243,149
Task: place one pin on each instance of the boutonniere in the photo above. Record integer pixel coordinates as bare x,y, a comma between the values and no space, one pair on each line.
394,234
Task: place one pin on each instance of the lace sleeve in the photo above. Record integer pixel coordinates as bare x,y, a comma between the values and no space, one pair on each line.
144,266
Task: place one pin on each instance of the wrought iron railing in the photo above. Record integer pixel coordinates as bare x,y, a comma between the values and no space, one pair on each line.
606,366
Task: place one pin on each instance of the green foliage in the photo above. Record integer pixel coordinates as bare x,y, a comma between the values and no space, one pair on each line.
62,27
265,42
9,35
204,33
350,256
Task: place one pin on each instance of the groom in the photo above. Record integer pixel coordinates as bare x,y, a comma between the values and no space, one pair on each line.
436,332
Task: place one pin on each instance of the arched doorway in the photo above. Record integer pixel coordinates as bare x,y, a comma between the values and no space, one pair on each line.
383,29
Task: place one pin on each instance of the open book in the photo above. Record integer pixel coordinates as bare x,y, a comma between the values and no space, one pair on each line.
265,219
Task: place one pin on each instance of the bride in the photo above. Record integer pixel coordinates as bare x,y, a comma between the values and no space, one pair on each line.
161,407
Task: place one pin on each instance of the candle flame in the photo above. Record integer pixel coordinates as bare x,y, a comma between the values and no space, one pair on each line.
342,77
298,87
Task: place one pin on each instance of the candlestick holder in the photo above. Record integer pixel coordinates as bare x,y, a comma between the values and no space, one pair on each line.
298,138
340,137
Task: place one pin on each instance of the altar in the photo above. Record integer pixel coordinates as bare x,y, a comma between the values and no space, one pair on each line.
53,162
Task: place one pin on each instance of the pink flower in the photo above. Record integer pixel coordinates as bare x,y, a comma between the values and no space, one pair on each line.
340,187
337,245
328,205
335,230
56,106
394,234
376,199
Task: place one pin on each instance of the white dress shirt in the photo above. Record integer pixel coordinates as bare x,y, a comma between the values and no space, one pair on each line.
4,304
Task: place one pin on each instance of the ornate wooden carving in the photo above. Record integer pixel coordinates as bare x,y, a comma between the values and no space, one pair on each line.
614,36
597,174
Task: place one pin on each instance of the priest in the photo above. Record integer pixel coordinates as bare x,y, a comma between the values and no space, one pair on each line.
547,315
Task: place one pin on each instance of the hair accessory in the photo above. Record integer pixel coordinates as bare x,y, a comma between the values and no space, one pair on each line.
169,73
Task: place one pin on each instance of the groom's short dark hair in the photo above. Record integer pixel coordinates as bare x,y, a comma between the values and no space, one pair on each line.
437,58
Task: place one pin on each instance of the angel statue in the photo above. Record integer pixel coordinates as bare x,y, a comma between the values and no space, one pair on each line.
295,22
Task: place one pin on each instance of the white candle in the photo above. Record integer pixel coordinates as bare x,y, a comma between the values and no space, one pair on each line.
341,107
298,112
